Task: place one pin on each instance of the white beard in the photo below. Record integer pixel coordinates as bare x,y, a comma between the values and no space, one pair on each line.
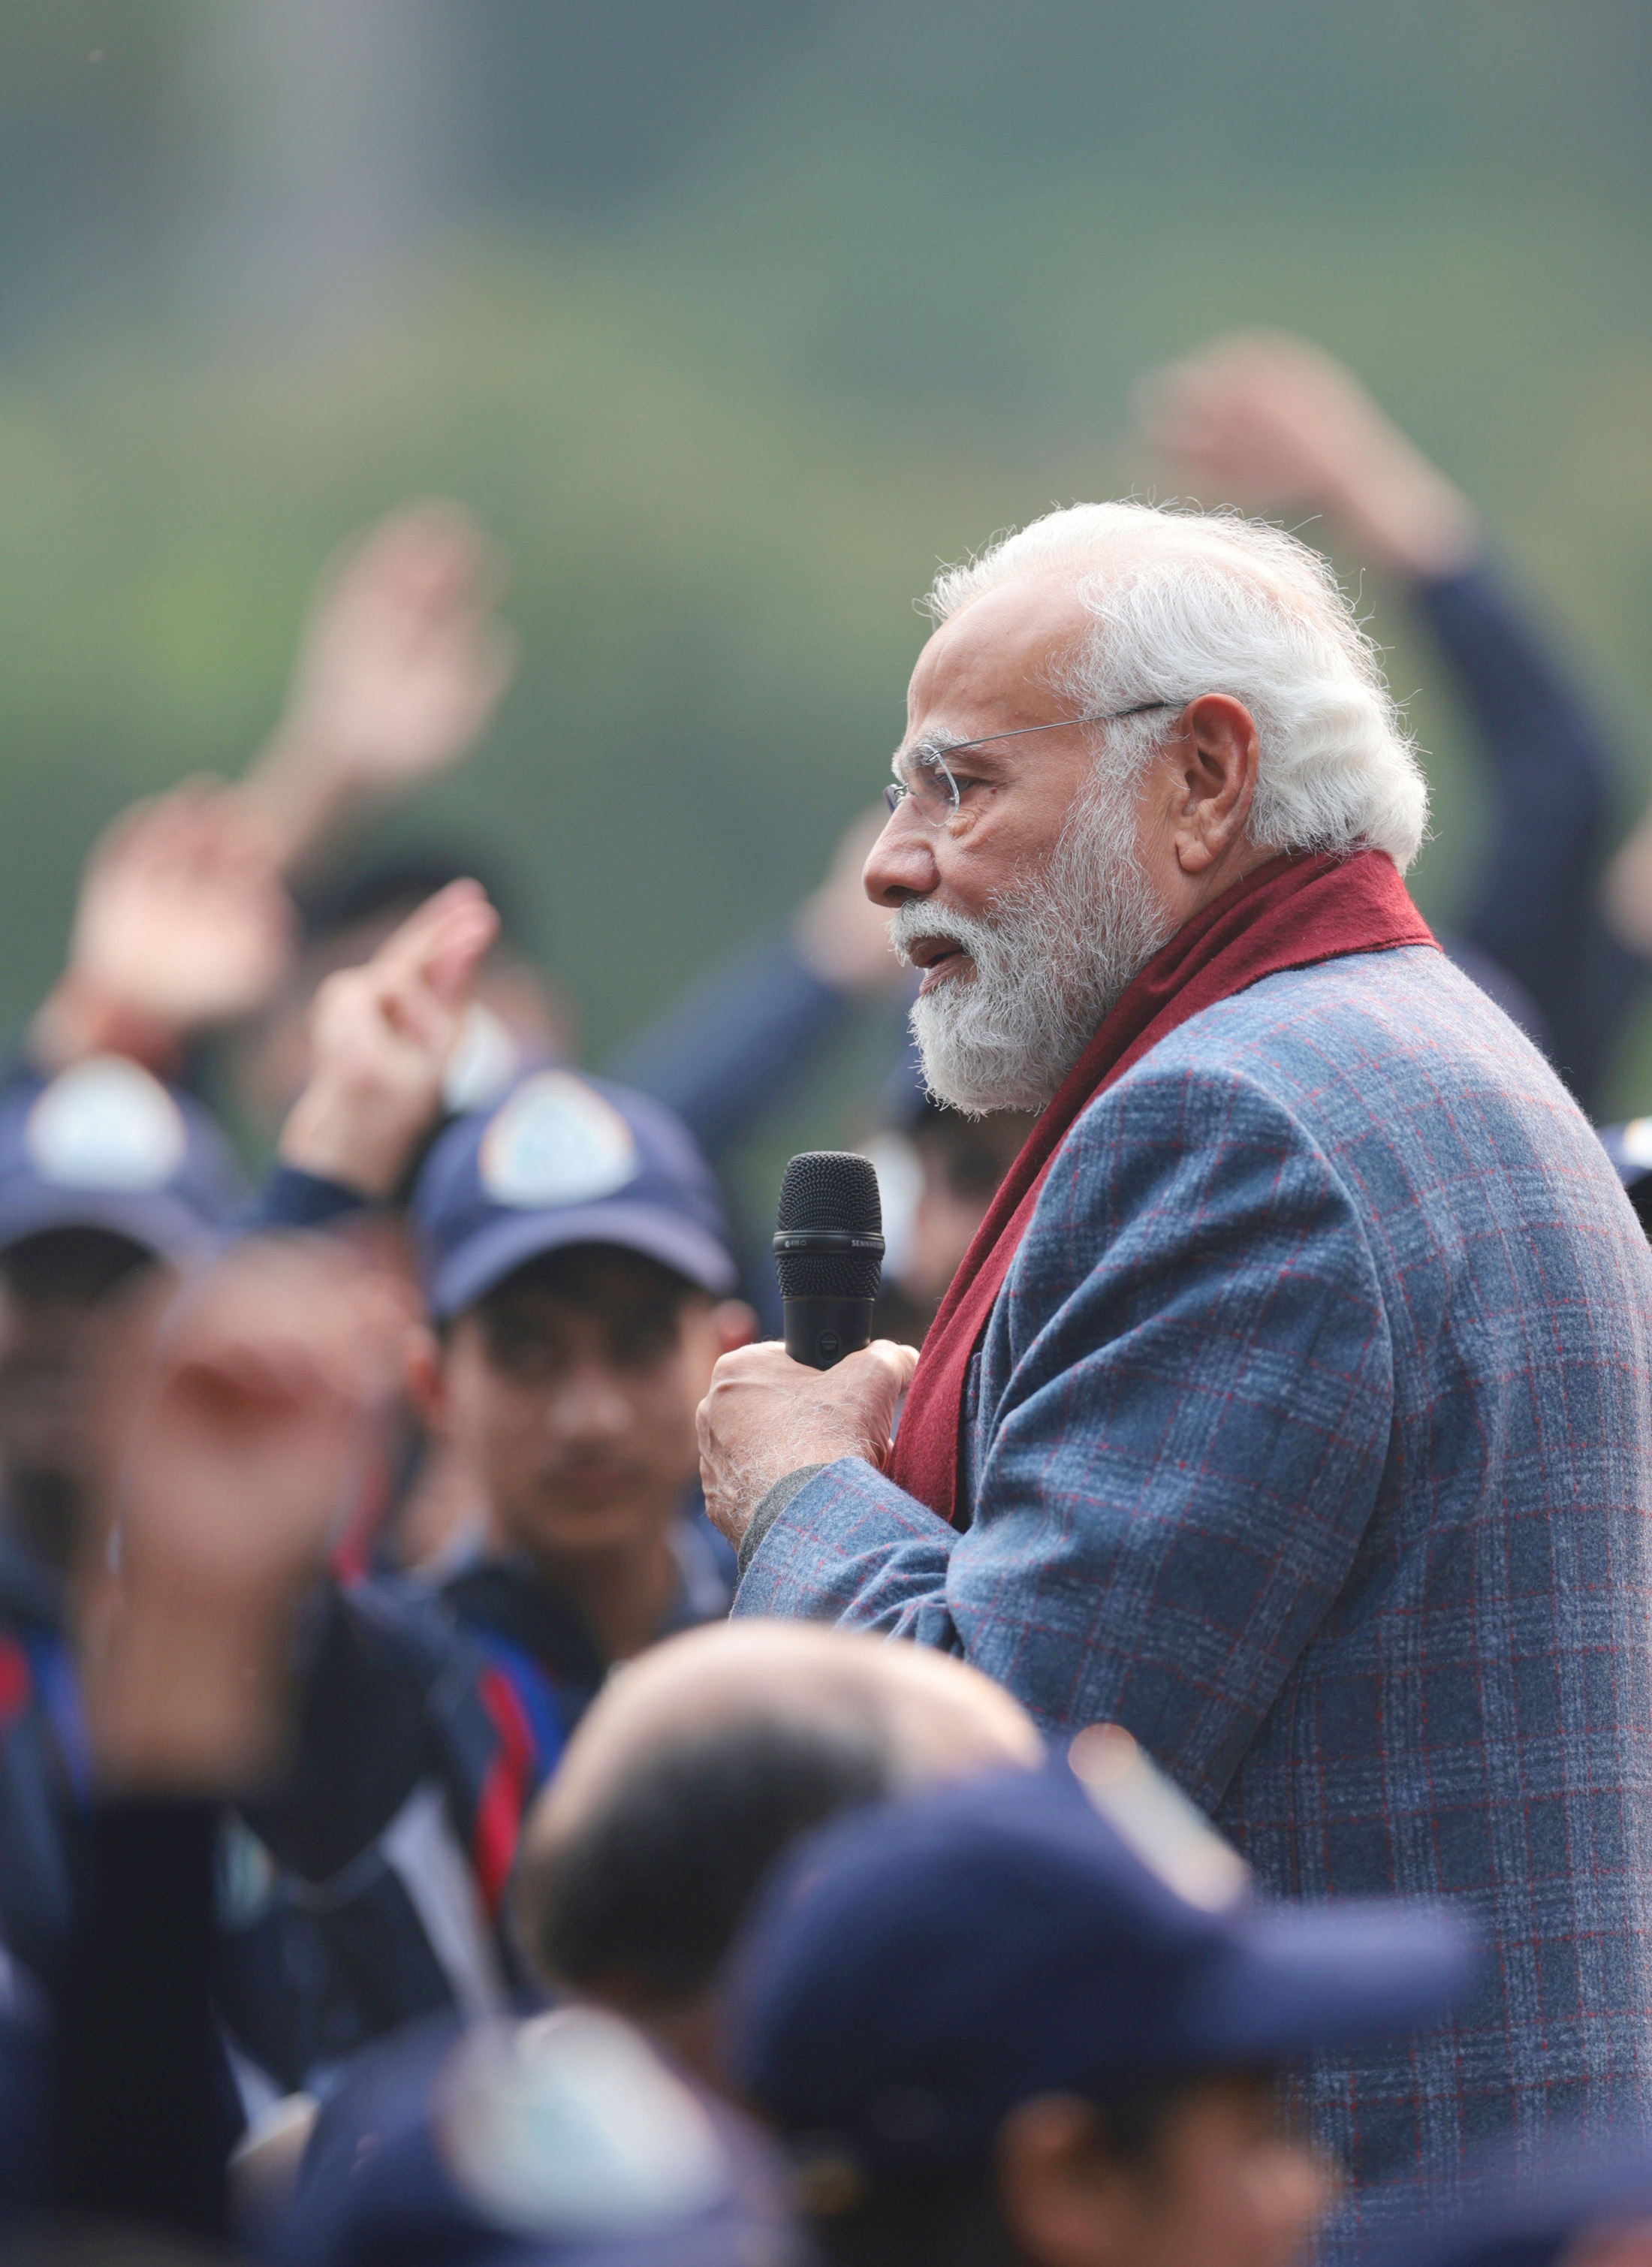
1050,958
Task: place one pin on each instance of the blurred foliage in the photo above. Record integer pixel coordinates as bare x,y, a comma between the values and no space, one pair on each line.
730,322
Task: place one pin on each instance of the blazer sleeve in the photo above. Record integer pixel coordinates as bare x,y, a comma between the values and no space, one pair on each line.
1195,1418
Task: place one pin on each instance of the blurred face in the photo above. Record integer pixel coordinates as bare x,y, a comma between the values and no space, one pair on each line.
572,1391
963,1165
1222,2185
58,1306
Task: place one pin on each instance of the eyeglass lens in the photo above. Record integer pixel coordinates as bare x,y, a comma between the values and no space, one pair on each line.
931,787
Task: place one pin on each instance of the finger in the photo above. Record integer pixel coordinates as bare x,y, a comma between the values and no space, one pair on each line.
444,963
409,947
432,559
124,831
182,842
408,1012
152,835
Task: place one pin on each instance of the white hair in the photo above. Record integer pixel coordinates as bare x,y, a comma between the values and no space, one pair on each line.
1184,602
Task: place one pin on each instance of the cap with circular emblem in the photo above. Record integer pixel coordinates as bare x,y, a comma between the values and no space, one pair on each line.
564,1160
105,1144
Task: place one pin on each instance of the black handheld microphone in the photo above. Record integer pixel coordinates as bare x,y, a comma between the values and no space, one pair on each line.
828,1254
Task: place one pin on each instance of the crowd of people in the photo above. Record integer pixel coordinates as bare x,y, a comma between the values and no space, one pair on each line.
498,1765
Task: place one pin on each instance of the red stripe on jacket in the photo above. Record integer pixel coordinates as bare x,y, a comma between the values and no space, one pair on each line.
504,1792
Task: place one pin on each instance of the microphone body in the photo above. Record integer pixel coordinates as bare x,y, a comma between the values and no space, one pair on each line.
828,1254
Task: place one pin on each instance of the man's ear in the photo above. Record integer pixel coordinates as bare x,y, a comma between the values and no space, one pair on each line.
1216,755
735,1324
1064,2199
427,1377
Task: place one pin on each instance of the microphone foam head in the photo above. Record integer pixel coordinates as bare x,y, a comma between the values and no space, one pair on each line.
827,1198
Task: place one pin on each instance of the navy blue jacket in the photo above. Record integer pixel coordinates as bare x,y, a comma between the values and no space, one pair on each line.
42,1762
1533,908
371,1888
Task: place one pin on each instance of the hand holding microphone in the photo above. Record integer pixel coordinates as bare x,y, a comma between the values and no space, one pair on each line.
831,1391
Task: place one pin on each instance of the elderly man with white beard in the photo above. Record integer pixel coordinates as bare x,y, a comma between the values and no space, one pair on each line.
1292,1406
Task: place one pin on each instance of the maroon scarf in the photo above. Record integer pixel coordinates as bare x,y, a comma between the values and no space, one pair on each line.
1298,909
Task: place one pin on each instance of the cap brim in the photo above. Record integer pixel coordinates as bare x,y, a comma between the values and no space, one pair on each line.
157,1222
1298,1978
473,1270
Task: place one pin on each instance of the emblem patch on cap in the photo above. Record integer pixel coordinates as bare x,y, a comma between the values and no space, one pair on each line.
106,1125
556,1142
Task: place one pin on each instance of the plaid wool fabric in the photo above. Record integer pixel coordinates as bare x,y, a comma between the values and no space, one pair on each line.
1311,1437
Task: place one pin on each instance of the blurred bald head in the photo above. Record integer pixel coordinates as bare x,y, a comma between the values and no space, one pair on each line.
700,1763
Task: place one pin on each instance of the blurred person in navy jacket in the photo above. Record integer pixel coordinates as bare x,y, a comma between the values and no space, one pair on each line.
229,1447
226,1442
107,1180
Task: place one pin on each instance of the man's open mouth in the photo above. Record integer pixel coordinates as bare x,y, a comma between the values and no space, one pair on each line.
938,956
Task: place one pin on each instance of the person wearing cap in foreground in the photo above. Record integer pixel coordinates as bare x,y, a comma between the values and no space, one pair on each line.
576,1276
107,1176
1293,1406
1038,2018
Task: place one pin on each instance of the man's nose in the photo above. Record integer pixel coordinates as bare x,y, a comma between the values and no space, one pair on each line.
902,861
590,1405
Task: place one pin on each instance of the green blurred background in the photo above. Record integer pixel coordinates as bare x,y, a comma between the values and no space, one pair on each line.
729,319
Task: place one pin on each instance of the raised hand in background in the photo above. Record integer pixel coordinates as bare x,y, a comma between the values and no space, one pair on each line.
401,665
380,1037
182,924
839,933
1268,421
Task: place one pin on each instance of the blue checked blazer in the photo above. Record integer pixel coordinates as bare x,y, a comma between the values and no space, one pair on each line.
1310,1438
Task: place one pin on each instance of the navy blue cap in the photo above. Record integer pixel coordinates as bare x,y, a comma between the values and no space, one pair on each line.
1629,1147
105,1144
564,1159
915,1972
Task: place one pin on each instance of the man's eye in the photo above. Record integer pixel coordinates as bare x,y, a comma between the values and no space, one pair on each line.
644,1345
521,1350
965,785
